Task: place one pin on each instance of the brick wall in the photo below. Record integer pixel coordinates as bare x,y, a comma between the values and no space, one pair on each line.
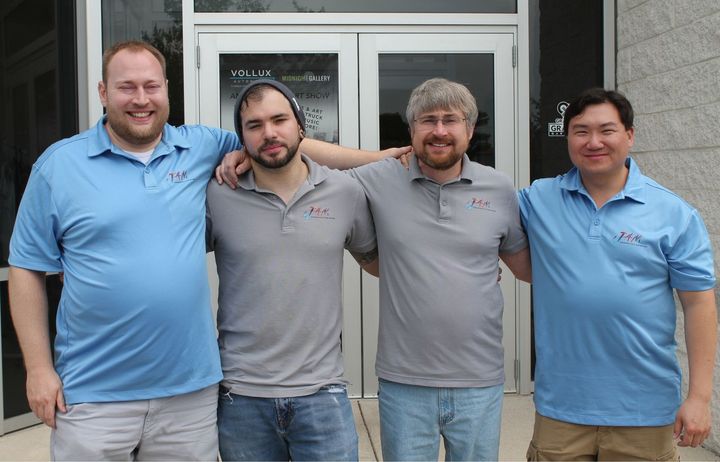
668,65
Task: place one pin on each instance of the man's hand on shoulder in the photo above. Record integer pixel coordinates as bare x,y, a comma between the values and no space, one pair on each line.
397,153
45,394
233,164
692,424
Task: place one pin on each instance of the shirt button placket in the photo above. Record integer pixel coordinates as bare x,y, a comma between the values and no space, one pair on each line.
443,205
149,178
595,226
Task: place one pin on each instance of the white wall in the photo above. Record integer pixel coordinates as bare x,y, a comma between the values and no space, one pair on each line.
668,65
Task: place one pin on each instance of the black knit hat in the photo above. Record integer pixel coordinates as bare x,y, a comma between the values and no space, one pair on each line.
299,114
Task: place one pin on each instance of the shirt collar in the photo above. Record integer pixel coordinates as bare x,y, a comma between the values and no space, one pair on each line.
172,139
316,175
417,174
634,185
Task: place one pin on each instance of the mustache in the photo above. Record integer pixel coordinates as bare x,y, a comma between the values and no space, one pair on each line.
439,139
269,143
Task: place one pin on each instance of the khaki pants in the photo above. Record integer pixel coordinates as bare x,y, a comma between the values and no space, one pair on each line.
557,440
181,427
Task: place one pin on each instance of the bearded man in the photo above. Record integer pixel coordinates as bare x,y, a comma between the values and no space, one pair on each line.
120,210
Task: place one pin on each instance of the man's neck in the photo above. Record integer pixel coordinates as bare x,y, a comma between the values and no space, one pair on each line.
441,176
283,181
603,188
131,147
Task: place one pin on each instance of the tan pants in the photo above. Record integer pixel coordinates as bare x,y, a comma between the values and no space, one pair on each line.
181,427
556,440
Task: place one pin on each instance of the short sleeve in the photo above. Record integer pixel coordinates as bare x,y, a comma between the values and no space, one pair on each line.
36,241
523,197
515,239
690,260
362,235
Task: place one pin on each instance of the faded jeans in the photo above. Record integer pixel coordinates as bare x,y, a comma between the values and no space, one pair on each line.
413,418
314,427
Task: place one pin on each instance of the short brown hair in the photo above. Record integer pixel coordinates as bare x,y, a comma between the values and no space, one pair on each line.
134,46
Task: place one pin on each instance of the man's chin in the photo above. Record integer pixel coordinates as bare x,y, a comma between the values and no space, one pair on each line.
441,164
272,162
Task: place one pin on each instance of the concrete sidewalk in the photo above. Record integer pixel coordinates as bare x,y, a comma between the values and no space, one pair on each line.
517,426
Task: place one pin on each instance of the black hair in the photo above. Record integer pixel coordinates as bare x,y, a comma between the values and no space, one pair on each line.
593,96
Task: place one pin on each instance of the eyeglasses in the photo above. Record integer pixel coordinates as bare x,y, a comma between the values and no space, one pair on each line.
430,122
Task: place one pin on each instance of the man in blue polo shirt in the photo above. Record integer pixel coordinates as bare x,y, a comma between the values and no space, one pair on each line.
120,210
608,247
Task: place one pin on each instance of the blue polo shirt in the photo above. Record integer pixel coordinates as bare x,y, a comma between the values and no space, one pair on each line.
134,320
603,284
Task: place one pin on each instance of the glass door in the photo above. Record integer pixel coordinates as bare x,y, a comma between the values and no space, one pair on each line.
391,66
354,89
321,69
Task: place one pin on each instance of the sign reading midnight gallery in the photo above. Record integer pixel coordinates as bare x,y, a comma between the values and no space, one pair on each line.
312,77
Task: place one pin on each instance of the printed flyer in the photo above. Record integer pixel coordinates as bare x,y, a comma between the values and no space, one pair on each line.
312,77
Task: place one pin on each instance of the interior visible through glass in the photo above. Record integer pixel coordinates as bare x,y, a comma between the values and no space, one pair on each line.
313,77
400,73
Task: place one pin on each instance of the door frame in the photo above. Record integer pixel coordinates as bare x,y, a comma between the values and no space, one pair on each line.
500,45
352,48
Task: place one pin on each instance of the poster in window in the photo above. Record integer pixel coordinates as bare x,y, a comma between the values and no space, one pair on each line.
313,77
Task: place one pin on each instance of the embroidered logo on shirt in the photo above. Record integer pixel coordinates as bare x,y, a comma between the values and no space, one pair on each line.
318,212
177,177
480,204
629,238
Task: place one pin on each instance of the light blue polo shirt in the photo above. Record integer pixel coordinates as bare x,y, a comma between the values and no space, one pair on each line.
603,284
134,320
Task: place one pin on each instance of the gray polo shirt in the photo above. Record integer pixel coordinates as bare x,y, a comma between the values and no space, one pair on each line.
280,270
440,303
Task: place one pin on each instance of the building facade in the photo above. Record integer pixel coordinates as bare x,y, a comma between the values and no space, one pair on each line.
353,65
668,63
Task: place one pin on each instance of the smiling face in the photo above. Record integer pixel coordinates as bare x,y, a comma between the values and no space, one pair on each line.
440,138
136,99
599,143
270,130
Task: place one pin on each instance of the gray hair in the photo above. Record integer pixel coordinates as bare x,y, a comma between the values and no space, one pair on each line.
441,93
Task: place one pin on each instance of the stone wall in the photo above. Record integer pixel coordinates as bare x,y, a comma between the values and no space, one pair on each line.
668,65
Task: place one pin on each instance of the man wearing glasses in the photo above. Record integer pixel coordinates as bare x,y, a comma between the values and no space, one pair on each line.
441,225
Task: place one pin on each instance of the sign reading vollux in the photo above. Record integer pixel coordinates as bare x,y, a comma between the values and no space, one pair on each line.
312,77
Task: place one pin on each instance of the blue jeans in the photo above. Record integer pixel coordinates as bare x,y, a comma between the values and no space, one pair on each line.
315,427
412,419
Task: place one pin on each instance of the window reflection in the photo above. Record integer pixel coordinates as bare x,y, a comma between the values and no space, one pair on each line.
13,377
39,82
566,57
400,73
159,23
312,77
354,6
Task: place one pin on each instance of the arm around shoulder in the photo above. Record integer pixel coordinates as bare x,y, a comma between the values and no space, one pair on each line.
519,264
341,157
369,261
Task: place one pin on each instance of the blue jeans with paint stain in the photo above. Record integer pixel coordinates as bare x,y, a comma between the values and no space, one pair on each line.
314,427
413,418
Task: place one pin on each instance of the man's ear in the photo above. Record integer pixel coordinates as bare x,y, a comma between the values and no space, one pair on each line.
102,93
631,137
471,132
